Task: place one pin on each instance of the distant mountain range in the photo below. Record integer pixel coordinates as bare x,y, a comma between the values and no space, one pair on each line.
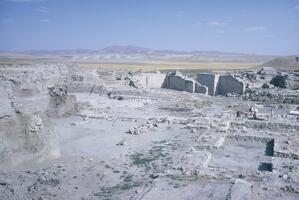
118,49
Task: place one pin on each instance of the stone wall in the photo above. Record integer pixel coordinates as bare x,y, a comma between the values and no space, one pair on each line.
201,89
149,80
230,84
221,84
176,81
209,80
189,86
81,87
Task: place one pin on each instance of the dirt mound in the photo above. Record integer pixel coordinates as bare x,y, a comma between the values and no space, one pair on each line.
60,102
24,136
288,62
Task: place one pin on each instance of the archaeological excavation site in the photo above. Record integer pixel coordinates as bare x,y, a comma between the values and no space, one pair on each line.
149,100
73,132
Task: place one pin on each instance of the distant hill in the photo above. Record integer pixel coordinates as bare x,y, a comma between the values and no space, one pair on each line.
287,62
126,50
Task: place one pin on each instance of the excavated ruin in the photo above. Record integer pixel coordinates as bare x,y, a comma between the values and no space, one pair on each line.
73,133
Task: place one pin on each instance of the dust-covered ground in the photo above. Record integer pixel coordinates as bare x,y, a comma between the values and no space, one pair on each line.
72,133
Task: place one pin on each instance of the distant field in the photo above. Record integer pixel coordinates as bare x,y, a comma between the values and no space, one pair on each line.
163,66
145,66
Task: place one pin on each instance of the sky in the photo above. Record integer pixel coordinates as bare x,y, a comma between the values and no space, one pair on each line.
268,27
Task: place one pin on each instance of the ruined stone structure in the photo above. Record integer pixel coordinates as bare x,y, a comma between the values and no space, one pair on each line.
230,84
221,84
149,80
209,80
205,83
177,81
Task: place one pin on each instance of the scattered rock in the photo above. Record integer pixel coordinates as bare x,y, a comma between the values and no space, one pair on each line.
286,81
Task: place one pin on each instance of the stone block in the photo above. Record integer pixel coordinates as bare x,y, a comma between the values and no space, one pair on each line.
201,88
209,80
176,83
150,80
230,84
190,86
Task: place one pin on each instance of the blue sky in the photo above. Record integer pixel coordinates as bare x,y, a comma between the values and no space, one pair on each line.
245,26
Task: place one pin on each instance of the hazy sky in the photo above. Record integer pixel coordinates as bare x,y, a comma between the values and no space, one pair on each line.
247,26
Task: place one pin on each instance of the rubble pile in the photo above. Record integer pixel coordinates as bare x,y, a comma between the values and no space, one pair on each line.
289,81
150,123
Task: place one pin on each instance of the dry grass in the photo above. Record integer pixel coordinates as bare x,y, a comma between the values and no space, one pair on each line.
170,66
145,66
